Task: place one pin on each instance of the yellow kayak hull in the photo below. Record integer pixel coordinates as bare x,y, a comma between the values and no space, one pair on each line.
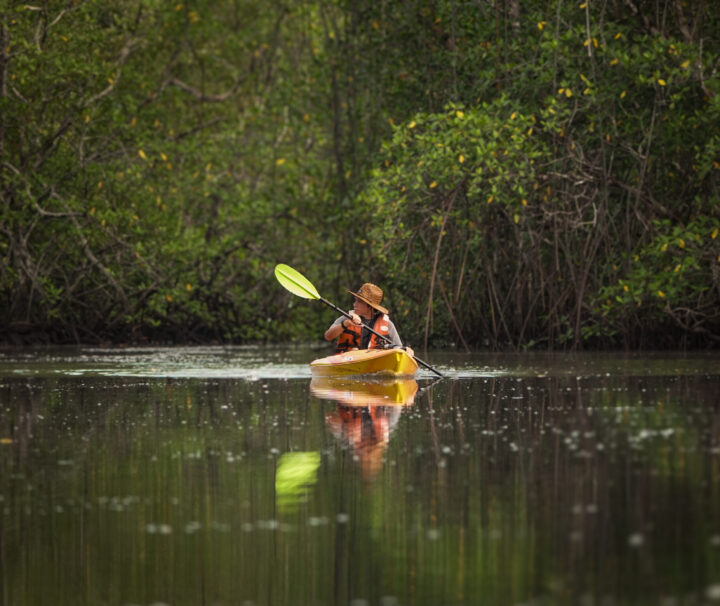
356,392
391,362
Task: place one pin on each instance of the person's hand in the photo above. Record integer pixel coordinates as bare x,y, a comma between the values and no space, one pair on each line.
410,351
354,317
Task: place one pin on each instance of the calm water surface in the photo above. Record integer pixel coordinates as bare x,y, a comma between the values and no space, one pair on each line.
227,476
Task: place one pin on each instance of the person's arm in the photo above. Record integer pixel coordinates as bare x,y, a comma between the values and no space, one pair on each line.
393,335
395,338
338,326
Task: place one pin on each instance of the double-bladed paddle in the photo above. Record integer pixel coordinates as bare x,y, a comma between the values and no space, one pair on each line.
299,285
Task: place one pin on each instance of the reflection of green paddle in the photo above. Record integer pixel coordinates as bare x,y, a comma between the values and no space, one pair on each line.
299,285
296,473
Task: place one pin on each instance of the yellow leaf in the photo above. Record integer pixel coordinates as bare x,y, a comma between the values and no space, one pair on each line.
87,118
541,24
583,5
663,248
163,156
133,122
490,199
516,218
6,441
618,36
685,64
678,267
100,185
587,42
661,294
568,92
141,153
715,233
433,184
280,161
681,243
178,7
460,114
461,158
661,82
111,81
615,61
524,202
412,124
625,287
168,298
561,91
92,210
512,116
622,94
188,286
595,42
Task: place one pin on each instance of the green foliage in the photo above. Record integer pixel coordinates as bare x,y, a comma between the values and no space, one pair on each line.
503,171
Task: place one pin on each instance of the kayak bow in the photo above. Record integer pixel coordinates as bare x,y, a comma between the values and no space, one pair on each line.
392,362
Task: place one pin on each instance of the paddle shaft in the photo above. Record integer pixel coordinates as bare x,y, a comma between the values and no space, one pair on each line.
383,337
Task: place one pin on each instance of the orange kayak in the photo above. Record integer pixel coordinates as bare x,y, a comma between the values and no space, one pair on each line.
393,362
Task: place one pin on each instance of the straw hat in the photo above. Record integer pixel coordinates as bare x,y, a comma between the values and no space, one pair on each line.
372,295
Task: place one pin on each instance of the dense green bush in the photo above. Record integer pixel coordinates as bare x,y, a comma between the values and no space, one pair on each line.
514,174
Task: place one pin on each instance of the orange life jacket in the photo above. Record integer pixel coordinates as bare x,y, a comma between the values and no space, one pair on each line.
351,338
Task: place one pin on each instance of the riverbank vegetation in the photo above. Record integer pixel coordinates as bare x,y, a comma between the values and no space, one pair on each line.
535,174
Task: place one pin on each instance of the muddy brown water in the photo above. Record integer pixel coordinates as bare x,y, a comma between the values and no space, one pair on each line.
227,476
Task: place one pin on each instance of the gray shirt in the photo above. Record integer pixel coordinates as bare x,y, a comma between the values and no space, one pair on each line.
392,331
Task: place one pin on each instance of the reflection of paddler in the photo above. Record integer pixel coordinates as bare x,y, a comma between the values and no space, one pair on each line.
399,392
365,430
366,414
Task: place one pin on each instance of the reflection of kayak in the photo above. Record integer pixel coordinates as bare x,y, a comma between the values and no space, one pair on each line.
351,392
365,361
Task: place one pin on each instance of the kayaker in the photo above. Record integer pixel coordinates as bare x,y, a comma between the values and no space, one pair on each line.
366,312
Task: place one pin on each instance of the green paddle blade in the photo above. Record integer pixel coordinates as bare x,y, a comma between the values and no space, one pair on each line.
295,282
